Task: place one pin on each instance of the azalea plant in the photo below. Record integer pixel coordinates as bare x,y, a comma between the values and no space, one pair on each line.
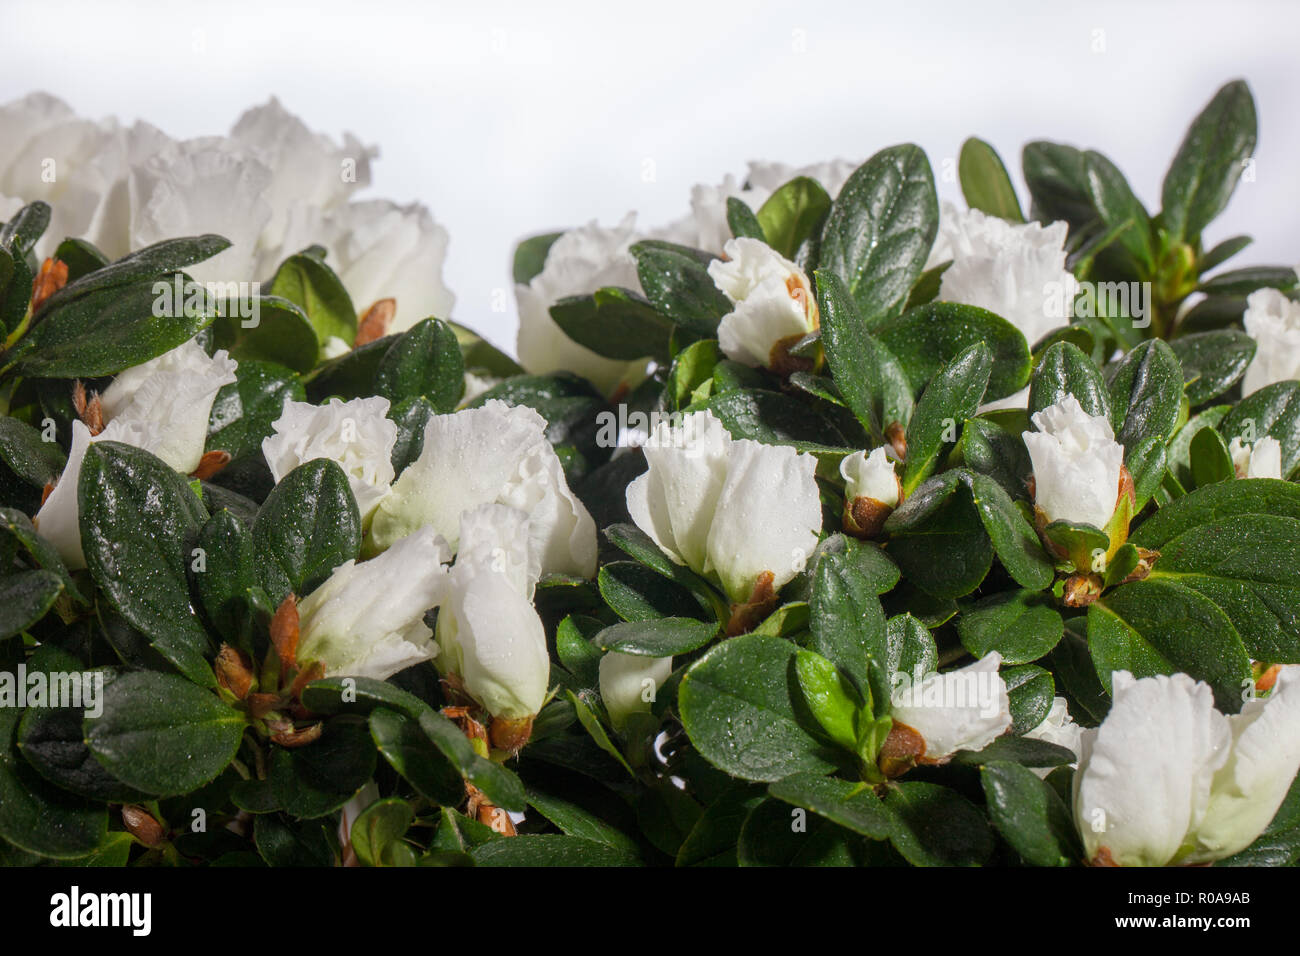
826,525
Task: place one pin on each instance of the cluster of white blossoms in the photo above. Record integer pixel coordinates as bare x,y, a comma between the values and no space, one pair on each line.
593,257
273,187
1077,464
161,406
1167,778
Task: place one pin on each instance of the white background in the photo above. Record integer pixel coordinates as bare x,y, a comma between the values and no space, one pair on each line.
512,118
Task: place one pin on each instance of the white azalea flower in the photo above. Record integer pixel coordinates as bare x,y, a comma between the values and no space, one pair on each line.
367,619
59,518
490,636
175,391
1273,321
1251,785
734,510
964,709
629,682
870,476
307,168
1014,271
1076,464
200,186
381,250
1168,779
357,435
1260,459
493,454
579,263
773,302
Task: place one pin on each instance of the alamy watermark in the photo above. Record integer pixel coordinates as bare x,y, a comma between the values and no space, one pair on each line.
181,296
83,690
1093,300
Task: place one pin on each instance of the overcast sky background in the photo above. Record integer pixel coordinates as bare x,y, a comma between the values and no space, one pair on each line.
511,118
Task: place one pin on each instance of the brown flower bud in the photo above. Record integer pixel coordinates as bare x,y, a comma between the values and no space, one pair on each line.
142,825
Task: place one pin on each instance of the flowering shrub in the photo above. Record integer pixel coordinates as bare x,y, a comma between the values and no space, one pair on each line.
822,526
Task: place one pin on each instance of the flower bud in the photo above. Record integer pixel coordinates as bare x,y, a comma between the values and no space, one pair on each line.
1077,465
964,709
1273,321
871,492
629,682
773,305
1260,459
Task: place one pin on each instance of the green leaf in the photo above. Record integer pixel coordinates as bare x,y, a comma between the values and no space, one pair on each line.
880,229
1022,626
351,375
27,454
1274,411
637,593
1057,181
793,214
1014,540
530,256
1216,503
1030,690
775,835
774,419
938,538
25,597
736,704
935,826
35,815
952,396
853,806
412,754
1029,814
311,285
1222,252
284,842
226,576
550,849
1248,565
1209,458
1161,627
279,332
161,734
1242,282
573,647
1065,370
307,527
382,823
830,698
577,821
139,521
741,219
359,695
848,626
927,338
676,281
317,779
911,647
985,183
615,323
497,783
989,449
664,637
1146,391
1116,205
1211,158
1212,362
105,331
868,376
424,361
714,838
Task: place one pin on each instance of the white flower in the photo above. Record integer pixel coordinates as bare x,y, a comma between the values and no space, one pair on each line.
381,250
1251,785
367,619
357,435
489,633
964,709
773,302
175,391
1015,271
493,454
735,510
706,227
628,683
1273,321
201,186
1262,459
1168,779
870,476
1076,464
476,385
59,518
579,263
